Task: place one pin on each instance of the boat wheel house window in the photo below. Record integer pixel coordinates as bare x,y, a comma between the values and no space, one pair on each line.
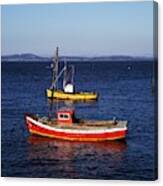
64,116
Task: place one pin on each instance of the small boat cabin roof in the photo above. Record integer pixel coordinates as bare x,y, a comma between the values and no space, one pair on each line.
66,110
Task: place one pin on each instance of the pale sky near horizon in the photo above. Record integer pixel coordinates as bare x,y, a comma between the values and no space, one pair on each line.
85,29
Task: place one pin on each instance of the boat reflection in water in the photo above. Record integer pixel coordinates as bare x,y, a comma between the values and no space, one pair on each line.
67,159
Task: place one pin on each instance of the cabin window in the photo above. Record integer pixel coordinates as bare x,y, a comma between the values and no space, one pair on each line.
63,116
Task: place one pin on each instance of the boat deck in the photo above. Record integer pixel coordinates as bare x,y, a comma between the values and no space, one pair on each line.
84,124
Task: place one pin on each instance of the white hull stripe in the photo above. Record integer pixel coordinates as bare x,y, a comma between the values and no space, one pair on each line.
75,130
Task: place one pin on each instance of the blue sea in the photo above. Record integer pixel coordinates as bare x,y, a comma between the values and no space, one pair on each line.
126,91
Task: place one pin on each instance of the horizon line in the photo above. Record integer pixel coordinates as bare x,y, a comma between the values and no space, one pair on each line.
89,56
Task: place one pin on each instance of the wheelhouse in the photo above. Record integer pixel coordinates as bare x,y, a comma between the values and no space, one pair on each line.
65,116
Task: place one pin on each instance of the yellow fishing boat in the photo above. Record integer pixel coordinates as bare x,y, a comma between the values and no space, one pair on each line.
68,92
58,94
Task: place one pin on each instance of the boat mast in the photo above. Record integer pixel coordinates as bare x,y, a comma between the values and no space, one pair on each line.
55,70
73,72
54,82
65,74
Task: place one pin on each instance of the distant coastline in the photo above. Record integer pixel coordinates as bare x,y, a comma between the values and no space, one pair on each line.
36,58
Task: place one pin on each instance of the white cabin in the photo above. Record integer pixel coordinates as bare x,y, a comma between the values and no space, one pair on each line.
69,88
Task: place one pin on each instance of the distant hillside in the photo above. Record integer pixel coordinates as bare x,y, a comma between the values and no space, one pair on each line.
24,58
34,58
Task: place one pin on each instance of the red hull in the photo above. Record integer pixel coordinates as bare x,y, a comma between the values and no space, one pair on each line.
37,128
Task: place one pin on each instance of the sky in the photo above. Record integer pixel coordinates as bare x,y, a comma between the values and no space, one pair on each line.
79,29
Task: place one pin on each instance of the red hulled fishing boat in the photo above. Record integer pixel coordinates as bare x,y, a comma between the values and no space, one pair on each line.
67,127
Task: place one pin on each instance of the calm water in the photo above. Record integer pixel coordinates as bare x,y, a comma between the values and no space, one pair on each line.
125,92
